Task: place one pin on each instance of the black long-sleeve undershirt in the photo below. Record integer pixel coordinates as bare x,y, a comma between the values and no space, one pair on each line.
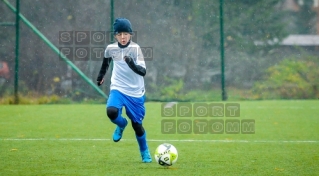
104,68
136,68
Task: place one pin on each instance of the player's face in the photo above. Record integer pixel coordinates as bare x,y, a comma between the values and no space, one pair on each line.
123,37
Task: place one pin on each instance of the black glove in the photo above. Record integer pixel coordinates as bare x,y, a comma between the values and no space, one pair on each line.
128,59
99,80
136,68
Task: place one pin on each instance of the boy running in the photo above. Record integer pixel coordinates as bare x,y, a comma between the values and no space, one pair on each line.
127,84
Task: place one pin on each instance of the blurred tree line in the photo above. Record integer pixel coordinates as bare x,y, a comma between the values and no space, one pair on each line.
184,37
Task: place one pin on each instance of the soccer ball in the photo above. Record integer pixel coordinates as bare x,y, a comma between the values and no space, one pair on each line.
166,154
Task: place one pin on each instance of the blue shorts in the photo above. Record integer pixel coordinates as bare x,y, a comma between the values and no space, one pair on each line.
134,107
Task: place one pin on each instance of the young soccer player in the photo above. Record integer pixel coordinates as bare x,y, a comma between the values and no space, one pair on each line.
127,84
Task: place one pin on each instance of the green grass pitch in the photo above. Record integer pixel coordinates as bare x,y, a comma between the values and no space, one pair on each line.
76,140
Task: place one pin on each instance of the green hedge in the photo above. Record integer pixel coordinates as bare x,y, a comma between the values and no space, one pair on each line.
290,79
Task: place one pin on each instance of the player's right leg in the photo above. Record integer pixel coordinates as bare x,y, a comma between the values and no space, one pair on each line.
114,111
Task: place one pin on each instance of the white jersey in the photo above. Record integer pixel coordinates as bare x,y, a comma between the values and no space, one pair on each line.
124,79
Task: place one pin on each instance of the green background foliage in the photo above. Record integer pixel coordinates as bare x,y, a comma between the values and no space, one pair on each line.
290,79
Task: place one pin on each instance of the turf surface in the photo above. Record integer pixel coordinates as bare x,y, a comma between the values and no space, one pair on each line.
76,140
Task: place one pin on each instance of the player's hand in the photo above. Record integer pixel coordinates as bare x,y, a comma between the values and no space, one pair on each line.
127,59
100,82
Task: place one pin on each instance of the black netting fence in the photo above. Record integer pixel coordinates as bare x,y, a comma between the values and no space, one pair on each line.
271,49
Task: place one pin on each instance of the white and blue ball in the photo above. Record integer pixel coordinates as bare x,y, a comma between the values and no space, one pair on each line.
166,154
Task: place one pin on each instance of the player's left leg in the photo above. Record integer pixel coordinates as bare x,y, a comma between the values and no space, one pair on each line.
135,110
142,143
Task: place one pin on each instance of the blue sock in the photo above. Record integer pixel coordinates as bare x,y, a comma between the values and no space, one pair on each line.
120,121
142,142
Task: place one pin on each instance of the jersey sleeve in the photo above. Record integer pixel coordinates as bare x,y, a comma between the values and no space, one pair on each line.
140,58
107,52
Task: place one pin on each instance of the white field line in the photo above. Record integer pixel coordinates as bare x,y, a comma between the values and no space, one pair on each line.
161,140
